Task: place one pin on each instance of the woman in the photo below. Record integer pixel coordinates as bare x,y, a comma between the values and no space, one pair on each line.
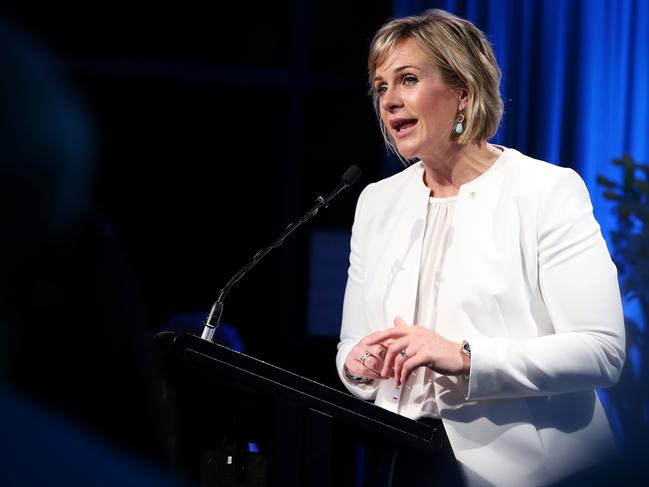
480,290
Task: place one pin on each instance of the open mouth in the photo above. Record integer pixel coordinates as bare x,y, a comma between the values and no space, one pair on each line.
403,124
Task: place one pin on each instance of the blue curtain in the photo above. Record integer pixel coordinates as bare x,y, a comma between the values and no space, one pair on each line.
576,92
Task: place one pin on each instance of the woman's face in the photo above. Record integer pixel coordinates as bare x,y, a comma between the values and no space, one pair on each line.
417,108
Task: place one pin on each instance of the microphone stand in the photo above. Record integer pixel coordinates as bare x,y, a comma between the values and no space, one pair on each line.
214,318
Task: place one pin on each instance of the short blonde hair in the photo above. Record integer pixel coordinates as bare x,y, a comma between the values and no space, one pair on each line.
464,57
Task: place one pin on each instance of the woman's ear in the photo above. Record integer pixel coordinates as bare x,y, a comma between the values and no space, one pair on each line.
463,100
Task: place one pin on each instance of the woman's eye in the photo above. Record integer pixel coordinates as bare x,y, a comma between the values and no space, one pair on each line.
381,89
409,79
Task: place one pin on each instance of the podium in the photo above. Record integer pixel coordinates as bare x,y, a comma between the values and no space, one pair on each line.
227,404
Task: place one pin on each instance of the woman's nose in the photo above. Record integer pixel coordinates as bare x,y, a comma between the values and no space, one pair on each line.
391,100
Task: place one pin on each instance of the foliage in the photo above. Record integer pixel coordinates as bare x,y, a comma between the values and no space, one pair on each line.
631,254
631,238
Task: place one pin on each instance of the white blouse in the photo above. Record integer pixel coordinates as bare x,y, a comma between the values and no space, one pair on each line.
418,391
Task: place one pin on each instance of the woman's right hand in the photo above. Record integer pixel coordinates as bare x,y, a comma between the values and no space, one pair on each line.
366,360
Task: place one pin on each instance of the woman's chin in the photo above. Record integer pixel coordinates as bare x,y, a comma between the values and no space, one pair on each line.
408,148
407,154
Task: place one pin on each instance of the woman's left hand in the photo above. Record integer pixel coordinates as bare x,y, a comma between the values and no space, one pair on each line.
409,347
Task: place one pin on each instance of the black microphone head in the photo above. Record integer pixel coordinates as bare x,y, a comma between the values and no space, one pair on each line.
351,175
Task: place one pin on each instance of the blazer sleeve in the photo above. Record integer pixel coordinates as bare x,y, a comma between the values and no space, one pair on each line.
354,321
578,284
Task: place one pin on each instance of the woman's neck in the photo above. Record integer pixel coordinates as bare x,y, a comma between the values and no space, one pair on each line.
446,171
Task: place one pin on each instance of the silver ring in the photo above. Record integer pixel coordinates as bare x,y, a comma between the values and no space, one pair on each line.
404,354
364,357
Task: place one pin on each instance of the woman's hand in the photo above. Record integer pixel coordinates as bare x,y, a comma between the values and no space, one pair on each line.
366,360
409,347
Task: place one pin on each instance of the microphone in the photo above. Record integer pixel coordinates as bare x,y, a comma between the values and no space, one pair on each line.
350,176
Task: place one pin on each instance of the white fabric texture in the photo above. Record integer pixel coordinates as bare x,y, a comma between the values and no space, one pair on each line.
527,279
418,391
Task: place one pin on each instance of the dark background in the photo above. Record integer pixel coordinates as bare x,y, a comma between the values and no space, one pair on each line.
215,126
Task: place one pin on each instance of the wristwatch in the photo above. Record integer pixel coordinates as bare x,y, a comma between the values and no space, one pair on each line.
361,379
466,350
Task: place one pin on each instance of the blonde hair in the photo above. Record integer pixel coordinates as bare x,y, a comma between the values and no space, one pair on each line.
465,59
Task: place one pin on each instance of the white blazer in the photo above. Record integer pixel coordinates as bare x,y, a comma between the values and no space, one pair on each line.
528,281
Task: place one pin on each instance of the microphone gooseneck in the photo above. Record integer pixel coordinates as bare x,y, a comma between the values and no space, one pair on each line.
350,176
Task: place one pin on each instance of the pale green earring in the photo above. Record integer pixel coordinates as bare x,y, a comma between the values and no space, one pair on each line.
459,126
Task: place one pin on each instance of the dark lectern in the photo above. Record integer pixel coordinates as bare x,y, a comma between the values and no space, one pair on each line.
306,433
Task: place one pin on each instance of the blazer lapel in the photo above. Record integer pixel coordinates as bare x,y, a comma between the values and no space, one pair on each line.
405,244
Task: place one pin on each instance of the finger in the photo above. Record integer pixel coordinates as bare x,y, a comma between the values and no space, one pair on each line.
383,336
373,363
373,338
379,351
388,363
401,329
399,359
399,322
371,374
390,355
409,366
366,368
355,368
